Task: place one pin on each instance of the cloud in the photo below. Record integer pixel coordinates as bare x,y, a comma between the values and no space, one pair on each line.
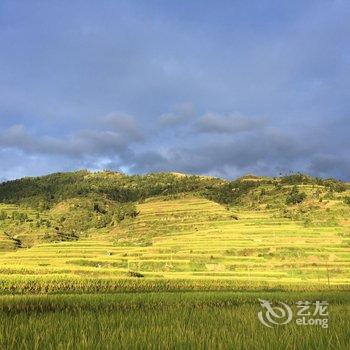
287,61
150,161
265,152
228,124
181,114
83,143
119,144
17,137
330,165
122,123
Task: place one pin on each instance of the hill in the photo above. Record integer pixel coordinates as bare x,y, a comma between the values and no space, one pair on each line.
288,230
44,192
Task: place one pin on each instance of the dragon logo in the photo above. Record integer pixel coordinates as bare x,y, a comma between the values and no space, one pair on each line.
274,315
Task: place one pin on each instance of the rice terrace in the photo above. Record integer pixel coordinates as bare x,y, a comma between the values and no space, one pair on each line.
103,260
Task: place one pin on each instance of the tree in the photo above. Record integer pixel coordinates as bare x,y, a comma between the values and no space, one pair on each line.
347,200
295,196
3,215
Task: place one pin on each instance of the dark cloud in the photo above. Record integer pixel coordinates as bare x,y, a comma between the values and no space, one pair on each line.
150,161
265,152
330,165
228,124
65,69
181,114
83,143
122,123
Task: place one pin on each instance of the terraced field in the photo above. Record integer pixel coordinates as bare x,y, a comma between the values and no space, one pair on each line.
192,238
22,232
83,269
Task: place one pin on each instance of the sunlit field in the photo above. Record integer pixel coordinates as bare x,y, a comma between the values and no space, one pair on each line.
224,320
174,271
192,240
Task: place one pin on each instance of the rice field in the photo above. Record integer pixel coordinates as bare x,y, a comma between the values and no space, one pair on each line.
193,240
224,320
186,273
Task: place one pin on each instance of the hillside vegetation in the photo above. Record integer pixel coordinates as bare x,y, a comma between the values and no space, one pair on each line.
190,231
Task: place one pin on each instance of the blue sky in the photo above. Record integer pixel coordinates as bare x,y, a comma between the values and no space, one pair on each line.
209,87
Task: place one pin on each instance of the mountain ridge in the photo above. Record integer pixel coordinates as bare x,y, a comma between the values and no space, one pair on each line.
121,187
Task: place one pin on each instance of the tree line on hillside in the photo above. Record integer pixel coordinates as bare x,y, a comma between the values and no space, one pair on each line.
45,191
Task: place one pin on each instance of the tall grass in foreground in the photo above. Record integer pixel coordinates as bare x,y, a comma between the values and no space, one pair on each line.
180,328
164,321
67,284
155,300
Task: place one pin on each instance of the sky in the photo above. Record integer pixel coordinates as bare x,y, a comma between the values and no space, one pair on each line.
221,88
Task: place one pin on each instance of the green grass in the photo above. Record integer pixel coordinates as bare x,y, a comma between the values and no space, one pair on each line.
164,321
